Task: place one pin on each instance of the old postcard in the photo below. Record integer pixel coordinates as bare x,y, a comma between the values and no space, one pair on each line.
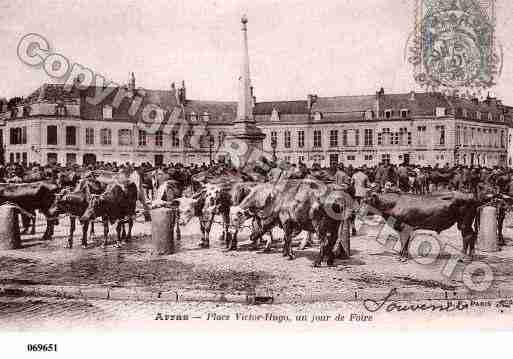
218,165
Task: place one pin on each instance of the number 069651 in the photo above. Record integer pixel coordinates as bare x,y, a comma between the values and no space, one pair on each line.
42,347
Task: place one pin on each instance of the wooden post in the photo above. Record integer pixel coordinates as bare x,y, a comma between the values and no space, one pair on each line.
162,234
9,228
487,236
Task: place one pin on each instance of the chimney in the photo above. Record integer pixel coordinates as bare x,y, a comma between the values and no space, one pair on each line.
311,100
379,94
172,91
184,93
131,82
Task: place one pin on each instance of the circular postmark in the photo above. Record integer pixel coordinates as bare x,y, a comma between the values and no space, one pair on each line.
455,46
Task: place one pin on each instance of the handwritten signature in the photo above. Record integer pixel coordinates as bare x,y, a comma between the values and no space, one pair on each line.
392,306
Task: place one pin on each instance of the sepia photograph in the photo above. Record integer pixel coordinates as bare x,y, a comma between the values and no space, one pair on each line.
228,165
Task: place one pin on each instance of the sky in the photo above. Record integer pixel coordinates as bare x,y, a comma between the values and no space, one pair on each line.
324,47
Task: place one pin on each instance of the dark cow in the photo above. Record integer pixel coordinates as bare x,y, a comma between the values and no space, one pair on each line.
115,205
31,197
434,212
75,202
296,206
438,178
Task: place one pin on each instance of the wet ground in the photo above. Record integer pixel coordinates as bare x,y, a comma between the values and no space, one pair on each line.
372,268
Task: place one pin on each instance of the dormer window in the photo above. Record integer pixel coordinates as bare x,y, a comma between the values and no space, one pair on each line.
206,116
490,117
368,115
107,112
501,118
440,112
465,114
478,115
389,114
317,116
275,115
193,116
26,111
405,113
60,110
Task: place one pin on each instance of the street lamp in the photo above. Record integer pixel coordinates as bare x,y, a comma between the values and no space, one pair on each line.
210,146
273,146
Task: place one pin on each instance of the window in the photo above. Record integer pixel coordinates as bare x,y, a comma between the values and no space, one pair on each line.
441,132
409,138
71,136
125,137
187,138
24,158
367,137
221,137
18,135
60,110
388,114
159,138
405,113
503,145
344,138
368,157
275,116
357,137
334,139
286,139
385,157
142,138
105,136
333,160
317,139
89,136
107,112
175,141
440,112
421,136
351,158
301,139
51,135
274,138
368,115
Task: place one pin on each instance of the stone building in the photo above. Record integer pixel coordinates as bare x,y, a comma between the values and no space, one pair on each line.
55,124
419,128
76,126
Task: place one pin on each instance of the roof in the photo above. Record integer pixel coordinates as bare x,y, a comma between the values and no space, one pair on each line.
94,98
283,107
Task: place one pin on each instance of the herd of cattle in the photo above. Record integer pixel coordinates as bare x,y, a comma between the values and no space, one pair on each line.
311,203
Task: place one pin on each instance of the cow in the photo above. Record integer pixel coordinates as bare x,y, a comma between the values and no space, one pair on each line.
297,205
115,205
31,197
433,212
75,202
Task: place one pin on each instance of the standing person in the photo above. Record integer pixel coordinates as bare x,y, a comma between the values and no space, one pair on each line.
360,182
137,177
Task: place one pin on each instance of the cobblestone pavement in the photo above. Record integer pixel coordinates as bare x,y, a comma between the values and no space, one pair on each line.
134,265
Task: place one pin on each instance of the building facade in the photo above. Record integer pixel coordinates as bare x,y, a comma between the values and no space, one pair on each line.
85,125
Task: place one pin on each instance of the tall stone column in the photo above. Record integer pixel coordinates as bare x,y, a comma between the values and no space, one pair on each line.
244,136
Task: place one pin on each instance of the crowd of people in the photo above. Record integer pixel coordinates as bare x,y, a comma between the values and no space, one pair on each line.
385,176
